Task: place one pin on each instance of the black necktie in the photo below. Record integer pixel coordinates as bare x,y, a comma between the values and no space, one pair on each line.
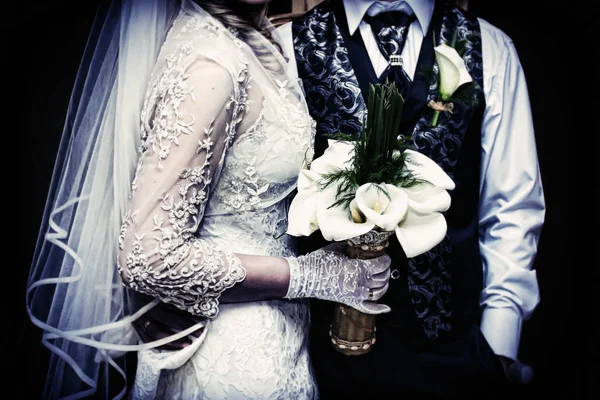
391,29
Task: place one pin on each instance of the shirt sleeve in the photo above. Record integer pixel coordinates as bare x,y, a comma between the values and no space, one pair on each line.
512,206
191,121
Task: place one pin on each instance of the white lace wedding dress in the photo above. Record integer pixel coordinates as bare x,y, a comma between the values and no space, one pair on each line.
225,134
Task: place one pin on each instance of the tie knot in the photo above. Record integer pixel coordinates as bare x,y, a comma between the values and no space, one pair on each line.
396,20
390,30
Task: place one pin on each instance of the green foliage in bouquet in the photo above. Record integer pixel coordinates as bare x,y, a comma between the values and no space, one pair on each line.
379,151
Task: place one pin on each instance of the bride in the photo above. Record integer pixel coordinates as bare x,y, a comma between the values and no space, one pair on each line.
180,166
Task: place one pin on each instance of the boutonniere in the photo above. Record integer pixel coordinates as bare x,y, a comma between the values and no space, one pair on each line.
453,74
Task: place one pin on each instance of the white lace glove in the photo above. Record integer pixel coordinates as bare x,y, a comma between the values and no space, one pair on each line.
328,274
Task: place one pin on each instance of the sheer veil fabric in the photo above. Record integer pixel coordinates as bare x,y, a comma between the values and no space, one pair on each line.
75,294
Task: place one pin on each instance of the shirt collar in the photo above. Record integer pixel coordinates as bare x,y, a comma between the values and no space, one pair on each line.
356,10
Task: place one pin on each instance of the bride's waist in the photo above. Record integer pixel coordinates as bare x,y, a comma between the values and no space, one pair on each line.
286,315
261,246
248,234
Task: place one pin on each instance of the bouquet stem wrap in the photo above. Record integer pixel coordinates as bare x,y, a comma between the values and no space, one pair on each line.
352,332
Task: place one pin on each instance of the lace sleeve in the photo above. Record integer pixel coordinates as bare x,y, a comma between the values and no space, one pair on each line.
192,114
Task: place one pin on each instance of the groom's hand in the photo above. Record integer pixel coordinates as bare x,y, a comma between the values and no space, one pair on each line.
516,371
505,362
164,320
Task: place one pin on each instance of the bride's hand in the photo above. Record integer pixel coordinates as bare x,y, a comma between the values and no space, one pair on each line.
329,274
162,321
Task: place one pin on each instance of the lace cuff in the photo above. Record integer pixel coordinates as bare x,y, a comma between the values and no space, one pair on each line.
329,276
296,288
195,287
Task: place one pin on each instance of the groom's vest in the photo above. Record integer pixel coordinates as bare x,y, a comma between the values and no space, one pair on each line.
437,292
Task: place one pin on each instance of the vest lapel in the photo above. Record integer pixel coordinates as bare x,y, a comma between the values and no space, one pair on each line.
419,90
332,91
357,53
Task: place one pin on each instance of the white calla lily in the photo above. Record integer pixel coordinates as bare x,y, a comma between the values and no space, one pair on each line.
302,219
384,205
336,157
419,233
336,223
453,71
340,147
425,198
424,168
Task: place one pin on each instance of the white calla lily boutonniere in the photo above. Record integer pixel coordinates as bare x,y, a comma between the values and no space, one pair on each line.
453,74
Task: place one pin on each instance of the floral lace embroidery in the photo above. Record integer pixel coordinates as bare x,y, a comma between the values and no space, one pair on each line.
169,123
239,103
196,287
299,122
253,350
193,273
243,188
244,193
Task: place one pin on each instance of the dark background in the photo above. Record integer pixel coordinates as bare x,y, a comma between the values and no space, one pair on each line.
557,340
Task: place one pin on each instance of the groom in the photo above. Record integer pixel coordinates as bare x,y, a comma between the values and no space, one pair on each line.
458,309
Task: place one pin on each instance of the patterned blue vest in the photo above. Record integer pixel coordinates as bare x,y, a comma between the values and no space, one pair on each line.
438,291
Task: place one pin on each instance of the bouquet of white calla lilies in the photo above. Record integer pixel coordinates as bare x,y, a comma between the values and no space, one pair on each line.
413,212
365,189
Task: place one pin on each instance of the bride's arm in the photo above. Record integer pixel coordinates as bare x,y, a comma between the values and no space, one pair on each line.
194,121
192,126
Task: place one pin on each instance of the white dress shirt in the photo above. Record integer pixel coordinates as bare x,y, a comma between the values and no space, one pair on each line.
512,207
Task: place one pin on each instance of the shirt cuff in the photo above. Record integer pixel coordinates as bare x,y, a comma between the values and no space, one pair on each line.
501,327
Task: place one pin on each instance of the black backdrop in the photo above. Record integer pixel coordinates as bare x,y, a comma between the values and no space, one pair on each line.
560,331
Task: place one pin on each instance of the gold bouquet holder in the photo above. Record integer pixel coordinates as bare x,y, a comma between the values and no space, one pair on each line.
352,332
